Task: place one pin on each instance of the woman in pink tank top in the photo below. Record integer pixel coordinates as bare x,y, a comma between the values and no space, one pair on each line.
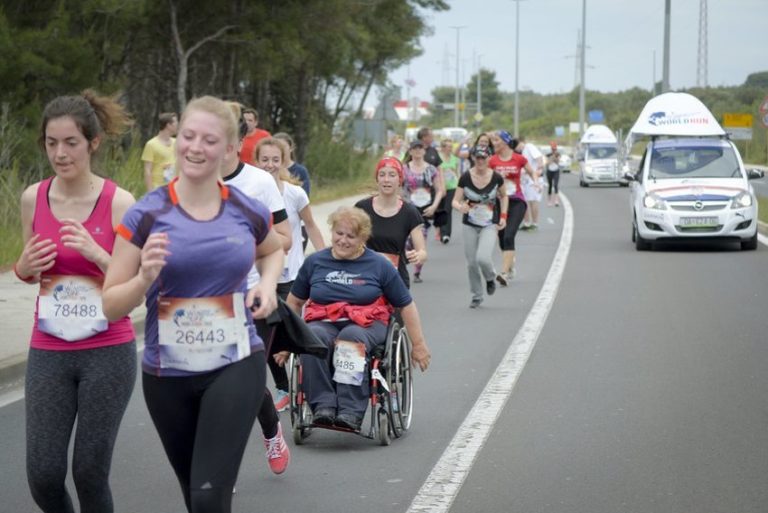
79,365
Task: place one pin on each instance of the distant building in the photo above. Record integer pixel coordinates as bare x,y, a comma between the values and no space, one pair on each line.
401,107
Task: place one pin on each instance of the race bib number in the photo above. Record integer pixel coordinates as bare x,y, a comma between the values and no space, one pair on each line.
69,307
511,187
169,172
421,197
481,214
202,334
553,167
349,362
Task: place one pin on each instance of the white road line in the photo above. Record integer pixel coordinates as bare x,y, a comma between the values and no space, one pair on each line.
444,482
763,239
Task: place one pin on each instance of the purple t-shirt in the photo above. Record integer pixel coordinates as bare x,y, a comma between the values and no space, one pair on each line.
361,281
208,259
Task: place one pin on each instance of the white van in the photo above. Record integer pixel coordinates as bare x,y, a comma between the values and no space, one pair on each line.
599,157
691,182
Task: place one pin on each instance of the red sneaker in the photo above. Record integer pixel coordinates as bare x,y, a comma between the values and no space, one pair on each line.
278,454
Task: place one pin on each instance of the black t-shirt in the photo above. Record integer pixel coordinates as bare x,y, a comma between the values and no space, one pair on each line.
431,156
388,234
484,203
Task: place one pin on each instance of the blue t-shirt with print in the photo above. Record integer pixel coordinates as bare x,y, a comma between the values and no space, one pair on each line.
361,281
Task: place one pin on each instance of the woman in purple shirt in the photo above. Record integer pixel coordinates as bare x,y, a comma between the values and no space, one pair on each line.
188,248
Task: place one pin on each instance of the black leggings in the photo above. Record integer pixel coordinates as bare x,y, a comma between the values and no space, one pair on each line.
204,422
553,180
94,387
516,212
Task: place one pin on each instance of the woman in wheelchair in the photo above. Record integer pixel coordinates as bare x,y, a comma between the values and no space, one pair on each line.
350,292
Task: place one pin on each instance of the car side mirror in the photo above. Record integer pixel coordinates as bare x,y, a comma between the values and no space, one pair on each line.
755,174
630,177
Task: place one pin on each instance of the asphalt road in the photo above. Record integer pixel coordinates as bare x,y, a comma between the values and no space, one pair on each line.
645,391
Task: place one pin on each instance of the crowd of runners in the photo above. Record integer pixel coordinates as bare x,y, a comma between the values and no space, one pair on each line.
215,249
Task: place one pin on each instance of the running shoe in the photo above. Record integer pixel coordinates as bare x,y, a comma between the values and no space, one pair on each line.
282,400
446,239
503,279
417,278
278,454
475,303
490,287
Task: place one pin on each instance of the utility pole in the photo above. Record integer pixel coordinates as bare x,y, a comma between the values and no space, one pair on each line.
701,60
582,62
479,86
456,92
517,67
665,70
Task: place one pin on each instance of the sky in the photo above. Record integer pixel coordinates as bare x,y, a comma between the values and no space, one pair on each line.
621,37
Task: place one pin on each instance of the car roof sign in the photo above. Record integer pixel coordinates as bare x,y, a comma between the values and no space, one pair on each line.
676,115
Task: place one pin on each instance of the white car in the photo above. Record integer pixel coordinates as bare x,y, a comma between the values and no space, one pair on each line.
692,188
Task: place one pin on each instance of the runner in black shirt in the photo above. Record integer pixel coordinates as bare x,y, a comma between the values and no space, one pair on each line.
394,220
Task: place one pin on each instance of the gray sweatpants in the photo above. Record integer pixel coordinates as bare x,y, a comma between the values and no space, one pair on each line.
478,250
92,386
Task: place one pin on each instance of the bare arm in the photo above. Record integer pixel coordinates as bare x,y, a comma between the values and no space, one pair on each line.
38,255
295,303
283,232
148,175
458,201
418,254
313,232
419,352
269,262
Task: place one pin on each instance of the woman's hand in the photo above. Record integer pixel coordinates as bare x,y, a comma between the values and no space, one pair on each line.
75,236
37,257
416,257
501,224
281,358
430,211
420,355
261,301
463,207
153,256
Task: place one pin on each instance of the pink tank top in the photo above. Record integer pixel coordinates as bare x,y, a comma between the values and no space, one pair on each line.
71,262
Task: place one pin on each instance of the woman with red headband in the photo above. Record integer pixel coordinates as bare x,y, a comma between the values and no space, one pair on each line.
394,220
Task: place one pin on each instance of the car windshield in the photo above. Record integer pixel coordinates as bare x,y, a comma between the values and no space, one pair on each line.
600,152
694,162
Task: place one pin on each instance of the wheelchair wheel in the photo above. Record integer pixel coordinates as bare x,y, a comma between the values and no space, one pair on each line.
399,377
383,427
301,416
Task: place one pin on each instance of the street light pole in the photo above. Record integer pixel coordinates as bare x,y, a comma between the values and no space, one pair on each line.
665,71
479,87
582,101
517,67
456,92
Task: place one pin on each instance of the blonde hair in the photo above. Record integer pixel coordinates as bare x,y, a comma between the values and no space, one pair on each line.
285,153
218,108
356,217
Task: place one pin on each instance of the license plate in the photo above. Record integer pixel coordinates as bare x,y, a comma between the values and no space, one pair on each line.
698,221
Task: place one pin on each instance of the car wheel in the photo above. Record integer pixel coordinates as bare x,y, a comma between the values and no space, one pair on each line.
640,243
750,243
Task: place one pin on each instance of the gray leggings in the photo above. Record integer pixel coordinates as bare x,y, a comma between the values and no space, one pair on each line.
479,244
92,386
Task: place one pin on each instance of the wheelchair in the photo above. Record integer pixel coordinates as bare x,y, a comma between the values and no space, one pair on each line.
391,385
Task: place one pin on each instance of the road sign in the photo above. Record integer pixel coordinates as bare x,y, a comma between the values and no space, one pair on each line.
737,120
764,119
764,106
596,116
573,127
738,133
559,131
479,117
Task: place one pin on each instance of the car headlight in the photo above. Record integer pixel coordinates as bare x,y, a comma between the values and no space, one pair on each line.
587,168
654,201
742,200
